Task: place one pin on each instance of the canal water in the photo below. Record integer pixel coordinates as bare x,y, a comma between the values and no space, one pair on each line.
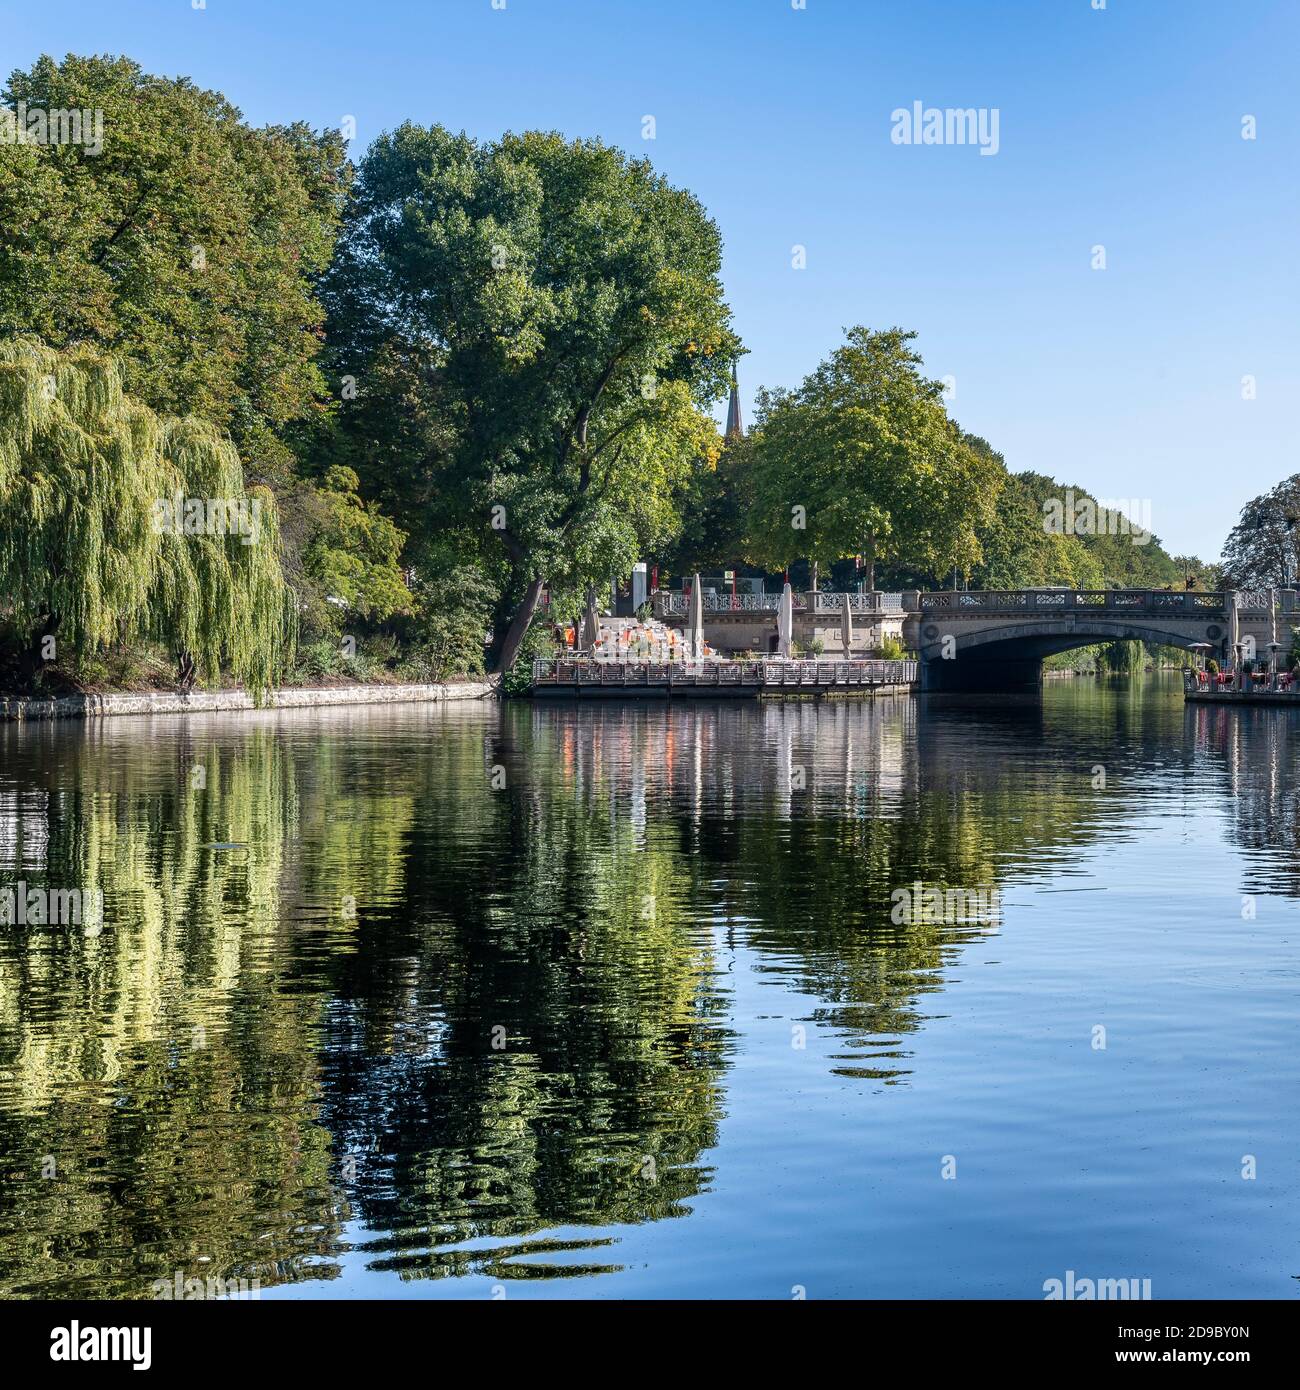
629,1001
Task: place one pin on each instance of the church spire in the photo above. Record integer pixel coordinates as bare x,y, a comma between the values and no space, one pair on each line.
735,427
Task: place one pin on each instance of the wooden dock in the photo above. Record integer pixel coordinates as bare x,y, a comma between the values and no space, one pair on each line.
726,679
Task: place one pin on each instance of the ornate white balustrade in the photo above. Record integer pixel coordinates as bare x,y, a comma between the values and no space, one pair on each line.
673,603
669,604
756,677
866,604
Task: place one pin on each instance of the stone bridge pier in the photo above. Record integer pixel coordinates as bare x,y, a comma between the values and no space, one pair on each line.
982,640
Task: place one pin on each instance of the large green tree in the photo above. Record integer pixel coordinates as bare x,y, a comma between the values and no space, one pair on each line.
88,554
1263,548
187,245
534,331
863,459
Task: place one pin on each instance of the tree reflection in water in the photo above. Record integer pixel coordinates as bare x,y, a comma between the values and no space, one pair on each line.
444,983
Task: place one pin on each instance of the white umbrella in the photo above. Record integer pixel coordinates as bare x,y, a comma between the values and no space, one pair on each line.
695,625
846,626
785,622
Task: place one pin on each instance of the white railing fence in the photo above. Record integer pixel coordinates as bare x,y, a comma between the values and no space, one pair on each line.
580,671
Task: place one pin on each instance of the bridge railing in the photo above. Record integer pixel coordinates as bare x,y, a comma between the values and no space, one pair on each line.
1115,600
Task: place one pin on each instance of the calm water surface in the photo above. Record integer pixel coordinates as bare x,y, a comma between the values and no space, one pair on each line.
607,1001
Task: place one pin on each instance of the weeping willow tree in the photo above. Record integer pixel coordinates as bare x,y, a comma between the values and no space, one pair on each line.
115,525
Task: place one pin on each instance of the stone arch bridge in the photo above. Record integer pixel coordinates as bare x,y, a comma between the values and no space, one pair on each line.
996,640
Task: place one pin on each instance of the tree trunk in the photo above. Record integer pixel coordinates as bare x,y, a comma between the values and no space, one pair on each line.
185,671
34,660
519,625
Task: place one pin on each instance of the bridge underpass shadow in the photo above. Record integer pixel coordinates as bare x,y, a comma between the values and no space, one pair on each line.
1014,666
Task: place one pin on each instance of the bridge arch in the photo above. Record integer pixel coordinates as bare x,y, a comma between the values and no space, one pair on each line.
1009,656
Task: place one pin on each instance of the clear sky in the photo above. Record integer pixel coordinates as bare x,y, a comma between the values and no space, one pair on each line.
1119,127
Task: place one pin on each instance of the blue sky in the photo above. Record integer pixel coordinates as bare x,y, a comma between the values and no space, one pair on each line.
1118,127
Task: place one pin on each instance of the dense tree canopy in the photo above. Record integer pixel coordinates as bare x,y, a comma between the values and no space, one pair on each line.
1022,547
535,329
1017,549
863,459
354,552
187,245
715,511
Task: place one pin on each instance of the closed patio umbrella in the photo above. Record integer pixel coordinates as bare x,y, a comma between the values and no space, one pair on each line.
846,626
785,622
590,623
695,627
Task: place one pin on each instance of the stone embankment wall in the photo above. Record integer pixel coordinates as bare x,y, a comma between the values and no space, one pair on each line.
216,701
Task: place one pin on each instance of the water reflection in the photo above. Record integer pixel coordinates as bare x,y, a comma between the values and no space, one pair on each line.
1249,756
457,978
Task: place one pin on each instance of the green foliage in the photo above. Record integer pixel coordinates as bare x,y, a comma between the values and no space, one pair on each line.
714,512
374,657
320,658
1263,549
455,614
1116,658
1018,550
865,448
190,243
535,326
1021,551
1124,559
353,557
1080,660
82,556
1121,657
518,680
1204,577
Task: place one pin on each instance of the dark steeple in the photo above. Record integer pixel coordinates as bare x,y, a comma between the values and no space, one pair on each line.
735,429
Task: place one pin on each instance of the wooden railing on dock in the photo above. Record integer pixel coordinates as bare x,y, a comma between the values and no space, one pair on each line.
733,677
1242,687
